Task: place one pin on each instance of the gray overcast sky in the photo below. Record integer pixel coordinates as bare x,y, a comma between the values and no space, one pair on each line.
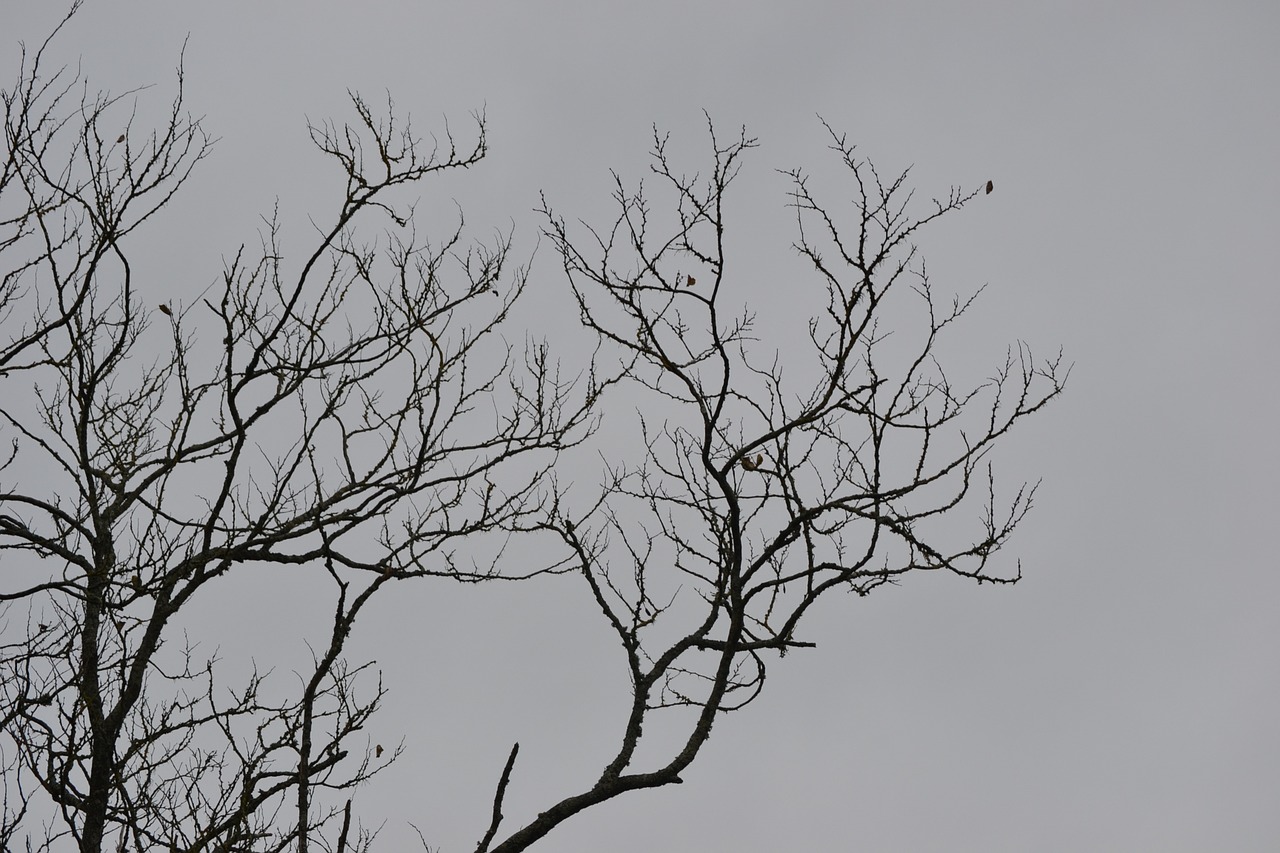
1125,695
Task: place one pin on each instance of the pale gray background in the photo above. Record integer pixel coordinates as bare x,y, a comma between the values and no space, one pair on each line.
1125,696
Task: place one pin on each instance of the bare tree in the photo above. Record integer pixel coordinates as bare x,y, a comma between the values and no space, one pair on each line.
355,412
352,411
756,494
